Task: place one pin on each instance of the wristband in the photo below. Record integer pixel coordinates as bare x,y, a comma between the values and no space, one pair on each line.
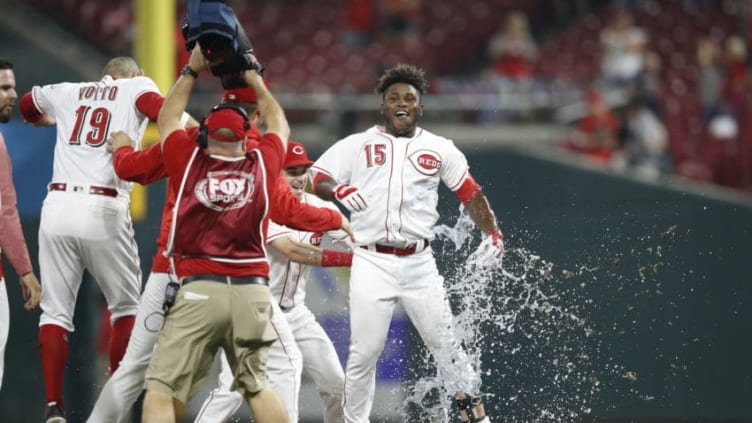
467,190
333,258
187,70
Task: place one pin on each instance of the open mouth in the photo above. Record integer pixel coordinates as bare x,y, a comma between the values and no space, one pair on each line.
401,113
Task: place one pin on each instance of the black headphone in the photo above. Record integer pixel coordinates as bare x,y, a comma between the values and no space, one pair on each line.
203,137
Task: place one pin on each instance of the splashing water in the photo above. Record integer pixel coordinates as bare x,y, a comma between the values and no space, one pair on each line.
528,333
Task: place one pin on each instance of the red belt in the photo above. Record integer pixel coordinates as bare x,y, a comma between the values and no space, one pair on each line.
94,190
399,251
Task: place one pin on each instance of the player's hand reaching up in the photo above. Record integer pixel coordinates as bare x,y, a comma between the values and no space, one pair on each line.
350,197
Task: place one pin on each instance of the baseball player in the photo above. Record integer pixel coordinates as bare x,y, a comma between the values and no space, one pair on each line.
303,345
145,166
11,235
86,222
388,177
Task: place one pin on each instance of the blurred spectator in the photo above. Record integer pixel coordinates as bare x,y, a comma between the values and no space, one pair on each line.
359,20
646,143
513,49
401,21
710,77
596,133
736,84
513,52
623,48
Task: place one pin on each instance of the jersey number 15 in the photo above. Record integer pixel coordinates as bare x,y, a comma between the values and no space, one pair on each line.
375,154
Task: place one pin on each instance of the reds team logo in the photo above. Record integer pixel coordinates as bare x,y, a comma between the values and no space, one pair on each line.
225,190
426,162
316,238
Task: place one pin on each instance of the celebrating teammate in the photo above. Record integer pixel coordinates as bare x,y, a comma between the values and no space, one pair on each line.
146,166
303,345
11,235
388,177
86,222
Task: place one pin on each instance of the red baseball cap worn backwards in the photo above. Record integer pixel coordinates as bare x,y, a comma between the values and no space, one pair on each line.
296,155
226,119
241,94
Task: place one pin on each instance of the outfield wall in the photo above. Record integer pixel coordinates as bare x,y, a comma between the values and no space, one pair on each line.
658,274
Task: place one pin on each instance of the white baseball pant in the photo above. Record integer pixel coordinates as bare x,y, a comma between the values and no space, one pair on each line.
320,360
125,385
283,370
4,326
92,232
377,283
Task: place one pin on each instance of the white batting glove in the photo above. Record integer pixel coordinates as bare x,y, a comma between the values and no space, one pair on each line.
490,249
350,197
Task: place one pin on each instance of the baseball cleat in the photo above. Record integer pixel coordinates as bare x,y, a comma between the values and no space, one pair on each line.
54,413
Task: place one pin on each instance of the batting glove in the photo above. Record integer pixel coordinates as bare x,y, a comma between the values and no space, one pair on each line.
350,197
490,249
497,240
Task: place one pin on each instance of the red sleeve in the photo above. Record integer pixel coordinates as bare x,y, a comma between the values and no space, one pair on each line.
29,111
143,166
286,209
177,150
273,152
12,240
149,104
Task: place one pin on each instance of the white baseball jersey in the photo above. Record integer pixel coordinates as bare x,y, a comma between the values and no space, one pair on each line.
288,279
86,113
399,178
400,175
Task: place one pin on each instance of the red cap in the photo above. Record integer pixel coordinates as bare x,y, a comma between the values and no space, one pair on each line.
241,94
296,155
226,119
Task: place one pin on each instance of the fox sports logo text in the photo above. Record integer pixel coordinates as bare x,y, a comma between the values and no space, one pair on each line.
225,190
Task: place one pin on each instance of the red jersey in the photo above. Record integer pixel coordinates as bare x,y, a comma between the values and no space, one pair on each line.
146,166
221,210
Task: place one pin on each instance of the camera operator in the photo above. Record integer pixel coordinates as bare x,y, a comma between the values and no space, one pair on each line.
216,248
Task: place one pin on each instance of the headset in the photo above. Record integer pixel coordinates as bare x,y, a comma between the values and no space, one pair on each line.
203,137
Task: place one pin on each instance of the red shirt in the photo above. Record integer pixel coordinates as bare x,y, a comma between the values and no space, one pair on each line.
12,241
222,206
146,166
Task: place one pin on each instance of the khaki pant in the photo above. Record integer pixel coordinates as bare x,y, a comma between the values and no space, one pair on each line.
208,316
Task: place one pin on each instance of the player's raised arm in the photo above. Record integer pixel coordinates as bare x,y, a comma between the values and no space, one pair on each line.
268,107
177,99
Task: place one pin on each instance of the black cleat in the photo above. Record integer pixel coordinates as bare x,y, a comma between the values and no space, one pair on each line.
54,413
